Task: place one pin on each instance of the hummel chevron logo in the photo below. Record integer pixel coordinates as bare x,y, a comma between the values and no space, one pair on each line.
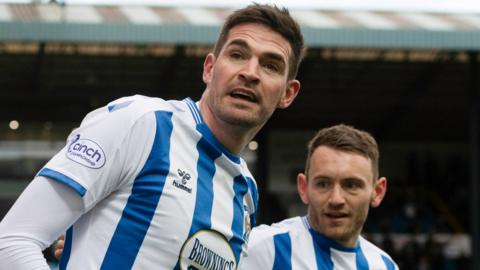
184,175
182,184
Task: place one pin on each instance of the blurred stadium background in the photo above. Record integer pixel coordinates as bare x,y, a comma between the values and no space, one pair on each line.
408,75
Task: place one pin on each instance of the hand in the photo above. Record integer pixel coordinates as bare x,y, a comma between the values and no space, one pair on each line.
59,244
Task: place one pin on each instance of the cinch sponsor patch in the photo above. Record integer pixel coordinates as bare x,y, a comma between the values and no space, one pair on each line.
207,250
86,152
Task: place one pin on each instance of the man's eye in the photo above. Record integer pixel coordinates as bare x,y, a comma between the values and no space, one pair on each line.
353,185
271,67
236,55
323,184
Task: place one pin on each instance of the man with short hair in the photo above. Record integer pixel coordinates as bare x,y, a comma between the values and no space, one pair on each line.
146,183
340,184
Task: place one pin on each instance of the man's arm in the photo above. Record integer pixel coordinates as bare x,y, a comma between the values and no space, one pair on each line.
42,212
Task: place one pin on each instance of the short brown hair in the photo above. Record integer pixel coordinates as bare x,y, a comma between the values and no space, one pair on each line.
279,20
349,139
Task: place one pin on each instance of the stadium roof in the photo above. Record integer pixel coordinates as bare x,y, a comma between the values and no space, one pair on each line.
362,28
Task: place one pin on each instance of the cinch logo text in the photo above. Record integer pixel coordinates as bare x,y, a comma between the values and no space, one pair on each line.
86,152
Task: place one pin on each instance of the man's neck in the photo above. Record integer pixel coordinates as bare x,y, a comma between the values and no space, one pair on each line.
233,137
347,244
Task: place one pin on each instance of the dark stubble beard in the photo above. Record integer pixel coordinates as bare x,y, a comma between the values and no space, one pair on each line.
242,120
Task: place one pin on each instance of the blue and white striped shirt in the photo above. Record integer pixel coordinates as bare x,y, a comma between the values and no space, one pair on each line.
293,244
160,191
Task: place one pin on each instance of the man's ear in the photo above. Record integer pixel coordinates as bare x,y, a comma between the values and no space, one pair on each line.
293,88
302,187
379,191
208,68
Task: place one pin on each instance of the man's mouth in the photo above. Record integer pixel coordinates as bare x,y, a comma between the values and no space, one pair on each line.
244,94
336,215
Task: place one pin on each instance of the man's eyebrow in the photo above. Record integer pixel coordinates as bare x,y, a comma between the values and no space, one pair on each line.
275,57
240,43
270,55
353,178
321,177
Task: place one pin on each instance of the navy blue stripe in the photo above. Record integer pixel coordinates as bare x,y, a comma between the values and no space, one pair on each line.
196,110
240,187
305,222
283,252
322,252
60,177
202,215
193,109
195,117
328,243
361,261
115,107
67,249
254,192
388,262
142,202
204,197
208,135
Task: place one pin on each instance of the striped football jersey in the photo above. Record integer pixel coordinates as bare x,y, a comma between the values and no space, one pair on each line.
293,244
160,191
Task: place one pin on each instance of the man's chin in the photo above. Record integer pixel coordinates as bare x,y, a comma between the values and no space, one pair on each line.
243,120
337,234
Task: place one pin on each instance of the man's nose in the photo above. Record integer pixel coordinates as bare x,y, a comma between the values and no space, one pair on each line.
249,71
336,196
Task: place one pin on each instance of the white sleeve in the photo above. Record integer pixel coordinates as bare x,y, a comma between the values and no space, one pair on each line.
105,152
43,212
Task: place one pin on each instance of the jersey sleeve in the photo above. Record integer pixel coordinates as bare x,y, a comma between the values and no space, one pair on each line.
109,147
38,217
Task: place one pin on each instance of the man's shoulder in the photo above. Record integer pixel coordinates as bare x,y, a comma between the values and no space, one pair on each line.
289,225
130,109
123,113
142,103
365,244
370,249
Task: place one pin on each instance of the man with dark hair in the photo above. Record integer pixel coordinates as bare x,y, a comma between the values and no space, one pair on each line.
146,183
341,182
